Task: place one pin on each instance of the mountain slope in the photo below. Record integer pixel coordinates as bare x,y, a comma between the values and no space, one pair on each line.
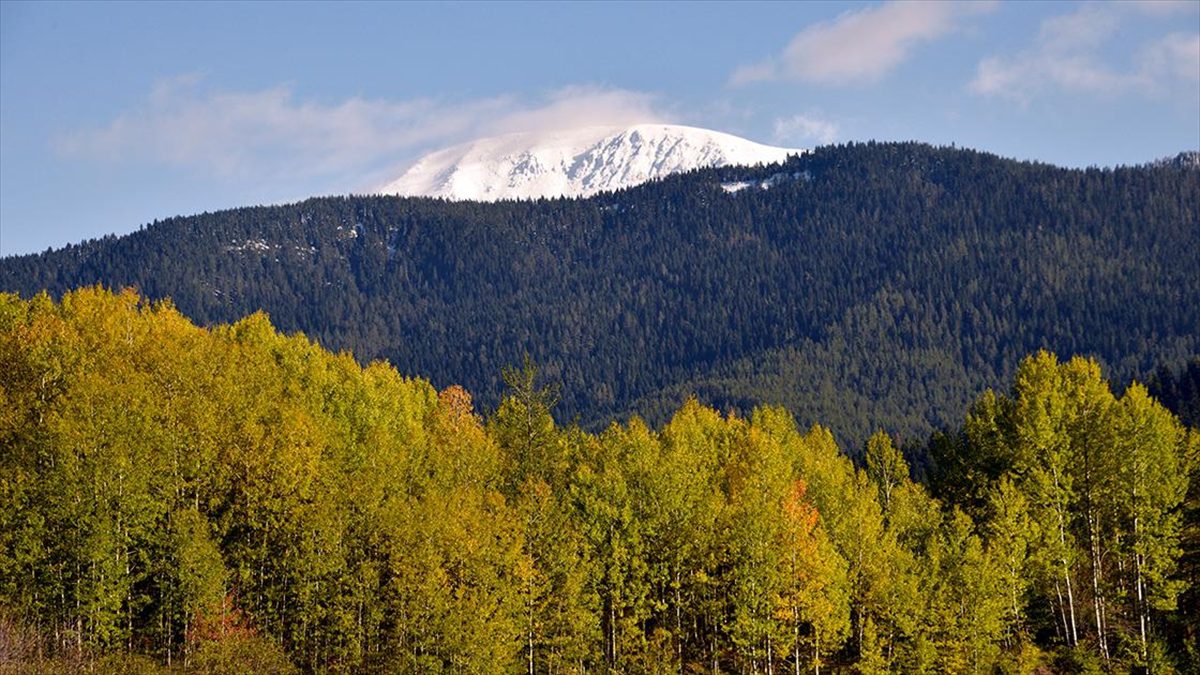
863,286
574,163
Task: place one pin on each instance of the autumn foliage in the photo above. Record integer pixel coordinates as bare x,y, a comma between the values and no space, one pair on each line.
237,500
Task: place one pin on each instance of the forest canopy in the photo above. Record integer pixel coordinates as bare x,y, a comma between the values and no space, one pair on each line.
223,499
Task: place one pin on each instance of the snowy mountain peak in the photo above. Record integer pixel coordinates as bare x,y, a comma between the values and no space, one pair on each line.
574,162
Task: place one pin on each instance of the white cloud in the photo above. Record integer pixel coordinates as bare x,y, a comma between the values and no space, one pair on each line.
1087,27
579,106
271,135
860,45
805,128
1068,55
1176,55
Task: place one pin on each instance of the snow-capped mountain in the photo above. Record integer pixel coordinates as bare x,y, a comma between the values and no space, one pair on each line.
574,162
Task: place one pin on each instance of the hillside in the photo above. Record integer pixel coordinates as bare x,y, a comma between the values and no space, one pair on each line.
851,284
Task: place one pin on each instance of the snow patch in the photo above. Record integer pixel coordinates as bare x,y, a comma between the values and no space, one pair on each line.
766,183
258,245
344,233
261,246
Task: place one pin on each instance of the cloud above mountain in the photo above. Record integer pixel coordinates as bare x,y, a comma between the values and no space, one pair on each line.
807,128
1075,52
860,45
274,133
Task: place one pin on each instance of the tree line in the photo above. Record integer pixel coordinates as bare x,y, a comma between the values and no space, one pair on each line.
231,499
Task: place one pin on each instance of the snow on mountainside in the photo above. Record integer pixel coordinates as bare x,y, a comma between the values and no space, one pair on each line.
575,162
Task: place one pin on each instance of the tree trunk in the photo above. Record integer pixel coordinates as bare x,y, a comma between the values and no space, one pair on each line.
1098,598
770,657
1143,619
606,620
795,641
1070,604
1062,613
1072,634
1012,591
678,624
713,642
612,629
816,651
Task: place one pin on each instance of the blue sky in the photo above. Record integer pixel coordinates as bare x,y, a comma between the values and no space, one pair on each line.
113,115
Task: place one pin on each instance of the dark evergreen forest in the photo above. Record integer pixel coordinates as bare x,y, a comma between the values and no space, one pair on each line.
1179,391
879,285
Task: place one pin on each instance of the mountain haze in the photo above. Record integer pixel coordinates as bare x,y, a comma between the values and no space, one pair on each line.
574,162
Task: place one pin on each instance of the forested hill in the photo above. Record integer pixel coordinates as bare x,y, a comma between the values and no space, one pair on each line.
864,286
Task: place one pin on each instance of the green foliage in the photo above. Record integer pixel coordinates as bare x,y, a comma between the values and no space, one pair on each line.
885,466
239,655
1083,508
178,499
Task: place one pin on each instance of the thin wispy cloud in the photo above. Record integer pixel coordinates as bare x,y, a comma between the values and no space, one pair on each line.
862,45
579,106
805,129
1068,55
1175,55
272,135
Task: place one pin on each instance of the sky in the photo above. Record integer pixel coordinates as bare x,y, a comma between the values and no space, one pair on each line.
113,115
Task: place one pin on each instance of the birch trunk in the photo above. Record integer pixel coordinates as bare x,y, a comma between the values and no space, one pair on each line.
1097,597
1141,594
